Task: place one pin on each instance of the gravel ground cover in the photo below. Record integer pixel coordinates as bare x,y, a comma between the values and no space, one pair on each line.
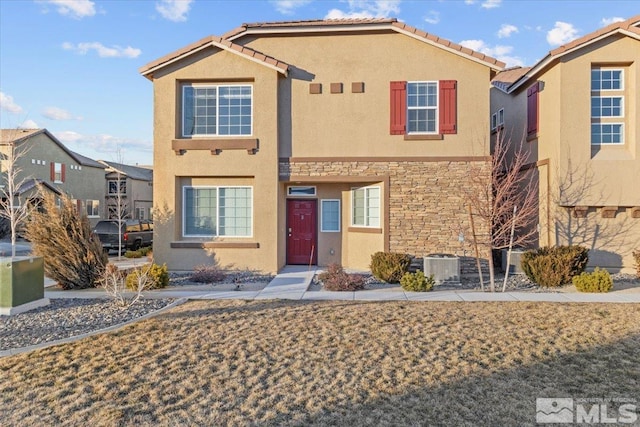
243,280
330,363
64,318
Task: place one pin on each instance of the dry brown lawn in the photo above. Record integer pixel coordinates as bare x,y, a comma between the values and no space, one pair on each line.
330,363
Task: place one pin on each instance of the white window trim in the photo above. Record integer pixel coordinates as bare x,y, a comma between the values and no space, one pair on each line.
55,173
184,207
116,180
436,108
622,142
494,121
610,69
315,192
500,119
611,117
208,85
92,200
353,206
322,214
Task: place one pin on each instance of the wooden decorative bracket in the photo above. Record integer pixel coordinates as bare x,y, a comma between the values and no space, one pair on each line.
608,211
634,212
579,211
215,146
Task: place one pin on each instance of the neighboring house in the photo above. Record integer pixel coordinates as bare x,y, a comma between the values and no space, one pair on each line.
579,111
48,162
315,142
135,190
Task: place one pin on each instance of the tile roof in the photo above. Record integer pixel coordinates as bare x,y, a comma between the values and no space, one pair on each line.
221,43
507,77
629,27
334,24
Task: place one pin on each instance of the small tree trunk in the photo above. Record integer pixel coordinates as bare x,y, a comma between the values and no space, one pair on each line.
513,228
492,276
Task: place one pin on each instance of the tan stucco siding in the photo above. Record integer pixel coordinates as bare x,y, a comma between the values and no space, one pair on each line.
357,124
170,170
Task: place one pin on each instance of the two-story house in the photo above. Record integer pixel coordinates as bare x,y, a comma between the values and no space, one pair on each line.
129,191
313,142
48,162
578,109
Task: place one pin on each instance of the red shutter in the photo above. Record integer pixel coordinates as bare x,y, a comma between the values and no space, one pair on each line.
532,110
398,108
53,171
62,173
448,107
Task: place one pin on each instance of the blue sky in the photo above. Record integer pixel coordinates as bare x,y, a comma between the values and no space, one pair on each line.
71,66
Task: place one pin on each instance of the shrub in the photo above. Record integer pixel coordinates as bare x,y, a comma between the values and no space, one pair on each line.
336,279
636,257
417,282
207,274
133,254
152,276
598,281
144,251
556,266
73,255
389,267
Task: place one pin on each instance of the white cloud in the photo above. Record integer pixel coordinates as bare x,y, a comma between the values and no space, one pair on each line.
74,8
102,143
500,52
506,30
366,9
288,7
469,1
174,10
609,21
490,4
102,50
55,113
433,17
29,124
8,104
561,33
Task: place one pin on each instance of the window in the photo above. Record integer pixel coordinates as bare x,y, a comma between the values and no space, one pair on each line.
140,213
532,110
494,121
423,108
607,133
113,186
501,117
216,110
330,215
301,191
365,207
217,211
606,111
57,172
93,208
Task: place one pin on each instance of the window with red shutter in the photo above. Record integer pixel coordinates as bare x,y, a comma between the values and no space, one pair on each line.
398,108
63,172
448,107
532,110
52,175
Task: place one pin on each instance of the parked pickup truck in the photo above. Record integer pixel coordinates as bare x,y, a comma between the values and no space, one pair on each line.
135,234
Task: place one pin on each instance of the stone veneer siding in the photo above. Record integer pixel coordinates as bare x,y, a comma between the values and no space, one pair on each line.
427,205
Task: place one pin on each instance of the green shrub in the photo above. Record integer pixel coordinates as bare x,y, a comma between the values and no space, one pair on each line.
417,282
144,251
336,279
153,276
555,266
73,255
133,254
207,274
389,267
636,257
598,281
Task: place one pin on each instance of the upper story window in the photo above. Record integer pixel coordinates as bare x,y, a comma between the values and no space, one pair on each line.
607,106
217,110
113,186
423,108
57,172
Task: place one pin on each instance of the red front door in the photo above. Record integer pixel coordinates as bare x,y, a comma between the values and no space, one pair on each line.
302,247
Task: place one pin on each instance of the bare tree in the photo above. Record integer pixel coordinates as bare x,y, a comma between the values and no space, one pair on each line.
13,207
508,205
117,205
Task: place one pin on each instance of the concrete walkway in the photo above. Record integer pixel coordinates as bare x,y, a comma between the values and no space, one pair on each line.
293,281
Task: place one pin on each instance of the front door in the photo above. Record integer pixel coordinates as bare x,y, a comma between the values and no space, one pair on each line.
302,247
